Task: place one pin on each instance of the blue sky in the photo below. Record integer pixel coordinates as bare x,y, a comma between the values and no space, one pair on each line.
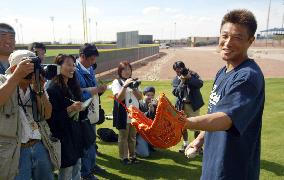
157,17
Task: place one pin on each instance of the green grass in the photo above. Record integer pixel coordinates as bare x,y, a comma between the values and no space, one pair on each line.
55,52
169,164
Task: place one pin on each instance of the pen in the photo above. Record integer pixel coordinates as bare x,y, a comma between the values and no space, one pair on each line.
70,99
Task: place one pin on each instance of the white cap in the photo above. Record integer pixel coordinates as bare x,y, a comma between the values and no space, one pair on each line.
16,57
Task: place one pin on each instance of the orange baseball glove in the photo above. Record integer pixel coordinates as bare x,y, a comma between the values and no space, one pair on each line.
166,129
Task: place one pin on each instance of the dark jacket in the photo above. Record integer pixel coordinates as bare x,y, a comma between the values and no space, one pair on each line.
68,131
193,84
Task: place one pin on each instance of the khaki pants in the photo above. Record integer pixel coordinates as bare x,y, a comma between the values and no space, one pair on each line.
127,142
190,113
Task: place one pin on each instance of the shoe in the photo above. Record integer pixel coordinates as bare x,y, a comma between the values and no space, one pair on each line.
98,153
126,161
97,169
135,161
89,177
182,149
152,149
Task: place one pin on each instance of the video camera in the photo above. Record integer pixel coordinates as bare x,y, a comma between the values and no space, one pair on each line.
135,84
48,71
184,71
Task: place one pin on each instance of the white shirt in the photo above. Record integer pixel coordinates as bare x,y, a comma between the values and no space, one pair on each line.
116,87
29,127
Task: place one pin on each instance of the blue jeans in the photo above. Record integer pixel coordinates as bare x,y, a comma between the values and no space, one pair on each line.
71,173
35,163
88,160
142,147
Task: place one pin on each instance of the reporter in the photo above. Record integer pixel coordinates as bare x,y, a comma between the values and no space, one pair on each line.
127,133
67,117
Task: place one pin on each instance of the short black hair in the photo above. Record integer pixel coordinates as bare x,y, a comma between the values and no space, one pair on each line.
242,17
89,50
149,89
178,64
37,45
6,28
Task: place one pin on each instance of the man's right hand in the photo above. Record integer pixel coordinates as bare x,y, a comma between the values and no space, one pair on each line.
23,69
97,90
102,88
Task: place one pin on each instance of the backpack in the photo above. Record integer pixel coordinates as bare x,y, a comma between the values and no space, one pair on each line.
107,135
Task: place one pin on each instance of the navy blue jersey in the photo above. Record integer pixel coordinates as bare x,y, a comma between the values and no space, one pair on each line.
235,153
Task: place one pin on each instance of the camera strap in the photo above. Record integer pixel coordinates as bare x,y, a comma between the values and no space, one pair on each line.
35,113
20,101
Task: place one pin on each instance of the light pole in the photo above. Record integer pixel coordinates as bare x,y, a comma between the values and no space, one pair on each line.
282,22
282,17
267,23
96,31
18,32
52,23
21,27
175,29
90,32
70,28
85,24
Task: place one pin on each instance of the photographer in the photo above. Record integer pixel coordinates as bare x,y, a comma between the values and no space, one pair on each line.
186,89
24,134
148,105
126,90
7,45
39,49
